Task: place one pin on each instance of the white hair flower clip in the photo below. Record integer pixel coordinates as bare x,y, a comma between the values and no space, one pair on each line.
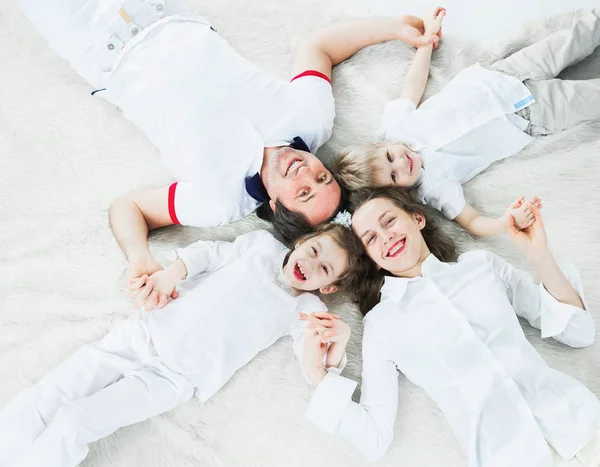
343,218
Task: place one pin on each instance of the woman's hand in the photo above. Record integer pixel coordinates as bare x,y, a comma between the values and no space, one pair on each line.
329,326
531,240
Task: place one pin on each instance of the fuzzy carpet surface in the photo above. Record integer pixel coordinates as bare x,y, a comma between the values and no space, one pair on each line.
64,156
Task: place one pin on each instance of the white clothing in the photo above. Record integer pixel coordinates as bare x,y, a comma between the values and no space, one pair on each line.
103,386
209,111
222,319
237,304
454,333
460,132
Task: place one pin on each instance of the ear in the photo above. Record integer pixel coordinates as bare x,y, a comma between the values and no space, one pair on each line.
272,204
328,289
420,220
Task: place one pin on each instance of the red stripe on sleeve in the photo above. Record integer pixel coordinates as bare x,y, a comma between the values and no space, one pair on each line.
172,204
316,73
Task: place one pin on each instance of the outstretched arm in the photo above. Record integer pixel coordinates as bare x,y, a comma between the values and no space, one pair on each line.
481,226
131,217
418,73
329,46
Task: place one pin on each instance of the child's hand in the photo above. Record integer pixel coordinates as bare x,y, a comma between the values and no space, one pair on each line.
154,291
329,326
433,22
313,355
522,213
531,240
412,33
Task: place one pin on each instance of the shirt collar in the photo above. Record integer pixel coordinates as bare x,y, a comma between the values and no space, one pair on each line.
255,186
395,287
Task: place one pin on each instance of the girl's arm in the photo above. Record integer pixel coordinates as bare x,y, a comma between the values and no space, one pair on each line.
332,331
416,78
482,226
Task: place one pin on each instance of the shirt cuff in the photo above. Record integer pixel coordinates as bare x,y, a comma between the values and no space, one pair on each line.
171,202
556,315
338,369
330,400
195,262
315,73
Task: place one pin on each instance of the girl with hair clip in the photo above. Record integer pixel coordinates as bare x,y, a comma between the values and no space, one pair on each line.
239,298
449,324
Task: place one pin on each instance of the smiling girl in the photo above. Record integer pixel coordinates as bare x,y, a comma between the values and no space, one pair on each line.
450,326
240,298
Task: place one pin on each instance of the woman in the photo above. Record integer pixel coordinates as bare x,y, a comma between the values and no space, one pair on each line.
452,329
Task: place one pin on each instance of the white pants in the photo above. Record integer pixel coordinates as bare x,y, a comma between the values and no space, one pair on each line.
111,383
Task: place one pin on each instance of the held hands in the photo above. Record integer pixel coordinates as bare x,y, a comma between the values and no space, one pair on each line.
416,33
531,240
433,22
329,326
522,213
150,291
322,329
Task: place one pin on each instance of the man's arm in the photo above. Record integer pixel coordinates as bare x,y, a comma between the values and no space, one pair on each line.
131,217
329,46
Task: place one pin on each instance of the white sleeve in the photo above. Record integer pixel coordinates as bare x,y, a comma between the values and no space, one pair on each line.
208,256
369,425
566,323
447,197
316,93
204,204
393,115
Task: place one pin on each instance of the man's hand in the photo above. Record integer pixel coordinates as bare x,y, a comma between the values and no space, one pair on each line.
150,291
138,267
413,33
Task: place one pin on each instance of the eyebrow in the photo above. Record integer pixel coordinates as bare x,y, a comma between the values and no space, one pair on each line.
320,249
379,220
329,182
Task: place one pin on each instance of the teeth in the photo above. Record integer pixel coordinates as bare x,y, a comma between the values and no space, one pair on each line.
302,271
294,164
394,250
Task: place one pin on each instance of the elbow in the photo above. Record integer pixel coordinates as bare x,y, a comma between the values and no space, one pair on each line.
376,448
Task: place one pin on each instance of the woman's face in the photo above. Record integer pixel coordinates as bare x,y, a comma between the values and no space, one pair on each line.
391,236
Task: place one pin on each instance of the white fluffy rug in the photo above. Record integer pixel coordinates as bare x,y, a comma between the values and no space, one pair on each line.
64,155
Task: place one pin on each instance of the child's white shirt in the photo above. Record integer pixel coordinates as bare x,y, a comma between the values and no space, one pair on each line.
460,131
234,304
454,332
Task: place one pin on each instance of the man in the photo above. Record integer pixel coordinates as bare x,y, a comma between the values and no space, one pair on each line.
233,137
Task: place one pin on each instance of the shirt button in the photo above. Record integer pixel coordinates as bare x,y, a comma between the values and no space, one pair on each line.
134,31
111,46
160,7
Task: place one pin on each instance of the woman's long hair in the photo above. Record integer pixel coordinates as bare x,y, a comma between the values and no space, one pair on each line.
367,292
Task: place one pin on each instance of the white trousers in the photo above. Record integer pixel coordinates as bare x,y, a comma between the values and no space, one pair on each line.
111,383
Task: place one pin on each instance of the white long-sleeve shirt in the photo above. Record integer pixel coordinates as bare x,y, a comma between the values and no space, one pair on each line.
234,304
459,132
454,332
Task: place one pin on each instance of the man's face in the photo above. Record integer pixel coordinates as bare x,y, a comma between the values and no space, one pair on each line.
302,184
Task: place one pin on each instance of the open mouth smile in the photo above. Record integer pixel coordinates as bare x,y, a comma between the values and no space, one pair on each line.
294,165
396,248
410,164
299,273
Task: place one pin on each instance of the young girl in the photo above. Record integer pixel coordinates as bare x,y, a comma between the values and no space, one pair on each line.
241,297
450,326
480,117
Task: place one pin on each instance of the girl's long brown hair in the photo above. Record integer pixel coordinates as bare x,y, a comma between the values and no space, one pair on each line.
367,291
